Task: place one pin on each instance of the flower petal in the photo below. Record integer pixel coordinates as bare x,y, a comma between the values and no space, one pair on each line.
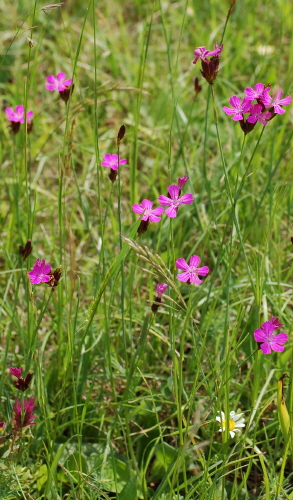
186,199
171,212
183,276
164,200
194,260
266,348
203,271
182,264
174,191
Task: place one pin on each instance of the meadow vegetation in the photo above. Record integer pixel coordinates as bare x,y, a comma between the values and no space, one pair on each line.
132,385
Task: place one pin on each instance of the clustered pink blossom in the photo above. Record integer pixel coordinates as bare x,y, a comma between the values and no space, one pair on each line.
17,372
58,82
18,115
23,414
267,339
41,272
174,200
111,161
160,289
202,53
266,107
191,270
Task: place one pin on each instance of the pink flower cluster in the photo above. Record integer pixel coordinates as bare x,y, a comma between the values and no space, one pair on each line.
266,107
267,339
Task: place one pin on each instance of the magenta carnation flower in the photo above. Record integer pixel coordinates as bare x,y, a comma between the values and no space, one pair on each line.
160,289
258,115
58,82
202,53
191,270
275,322
276,102
17,372
23,414
40,272
238,108
175,200
111,161
267,338
18,114
182,181
149,213
256,92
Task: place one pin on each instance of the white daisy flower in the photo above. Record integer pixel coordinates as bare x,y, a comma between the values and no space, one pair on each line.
235,422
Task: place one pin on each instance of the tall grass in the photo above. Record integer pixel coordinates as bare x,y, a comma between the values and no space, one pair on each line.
126,400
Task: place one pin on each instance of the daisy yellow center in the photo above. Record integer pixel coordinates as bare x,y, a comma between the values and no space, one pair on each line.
232,424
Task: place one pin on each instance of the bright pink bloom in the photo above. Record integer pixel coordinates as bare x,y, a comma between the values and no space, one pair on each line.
238,108
58,82
175,200
182,181
275,322
191,270
268,341
18,114
40,272
202,53
256,92
276,102
17,372
23,414
111,161
257,114
149,213
161,288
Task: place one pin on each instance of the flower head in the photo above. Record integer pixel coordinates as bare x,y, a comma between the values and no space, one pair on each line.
111,161
191,270
149,213
21,383
175,200
276,102
235,422
182,181
16,372
239,107
256,92
40,272
23,414
258,115
275,322
18,114
58,82
161,288
267,340
2,426
202,53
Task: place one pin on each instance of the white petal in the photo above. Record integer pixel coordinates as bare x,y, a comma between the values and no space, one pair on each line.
232,434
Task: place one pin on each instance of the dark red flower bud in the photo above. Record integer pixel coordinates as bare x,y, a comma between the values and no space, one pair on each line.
64,94
120,135
55,277
142,228
113,175
14,127
25,250
23,384
210,69
246,126
197,86
156,304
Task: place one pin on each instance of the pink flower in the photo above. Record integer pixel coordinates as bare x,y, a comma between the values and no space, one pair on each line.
275,322
257,92
175,200
268,341
111,161
18,114
257,114
160,289
182,181
149,213
23,414
202,53
58,82
191,271
17,372
276,102
2,425
40,272
239,107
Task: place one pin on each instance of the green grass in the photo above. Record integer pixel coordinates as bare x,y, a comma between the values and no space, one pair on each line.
126,400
